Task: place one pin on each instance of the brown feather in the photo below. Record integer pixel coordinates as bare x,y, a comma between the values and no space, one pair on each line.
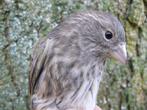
67,66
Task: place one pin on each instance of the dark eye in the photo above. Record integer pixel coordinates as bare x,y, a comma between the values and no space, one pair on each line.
108,35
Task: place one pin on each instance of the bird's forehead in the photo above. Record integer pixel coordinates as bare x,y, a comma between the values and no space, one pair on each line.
118,28
110,22
104,19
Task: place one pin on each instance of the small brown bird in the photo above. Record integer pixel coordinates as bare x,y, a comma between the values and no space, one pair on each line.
67,65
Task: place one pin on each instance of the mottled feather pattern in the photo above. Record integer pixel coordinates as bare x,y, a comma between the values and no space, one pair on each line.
67,65
68,80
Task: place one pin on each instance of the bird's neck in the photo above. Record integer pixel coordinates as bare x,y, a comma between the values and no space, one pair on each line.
93,65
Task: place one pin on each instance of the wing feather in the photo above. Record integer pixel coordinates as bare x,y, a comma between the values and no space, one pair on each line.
38,58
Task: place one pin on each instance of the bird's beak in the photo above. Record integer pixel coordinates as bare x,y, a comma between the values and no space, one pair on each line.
119,53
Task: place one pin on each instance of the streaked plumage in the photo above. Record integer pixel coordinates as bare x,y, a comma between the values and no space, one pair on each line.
67,66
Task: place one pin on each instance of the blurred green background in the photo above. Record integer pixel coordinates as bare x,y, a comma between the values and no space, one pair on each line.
22,22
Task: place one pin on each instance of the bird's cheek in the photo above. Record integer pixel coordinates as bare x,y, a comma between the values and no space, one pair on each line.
119,53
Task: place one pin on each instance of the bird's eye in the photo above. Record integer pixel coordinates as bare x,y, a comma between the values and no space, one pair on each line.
108,35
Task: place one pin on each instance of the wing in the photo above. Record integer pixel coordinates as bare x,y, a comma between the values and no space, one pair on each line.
38,59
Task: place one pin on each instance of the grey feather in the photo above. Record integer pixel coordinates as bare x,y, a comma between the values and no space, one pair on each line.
67,66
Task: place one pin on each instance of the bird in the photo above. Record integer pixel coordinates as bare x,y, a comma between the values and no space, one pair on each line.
67,66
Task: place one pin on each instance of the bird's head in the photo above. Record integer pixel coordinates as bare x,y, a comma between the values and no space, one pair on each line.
101,35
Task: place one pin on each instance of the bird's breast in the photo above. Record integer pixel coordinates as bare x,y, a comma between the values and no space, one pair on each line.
84,90
88,101
84,98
